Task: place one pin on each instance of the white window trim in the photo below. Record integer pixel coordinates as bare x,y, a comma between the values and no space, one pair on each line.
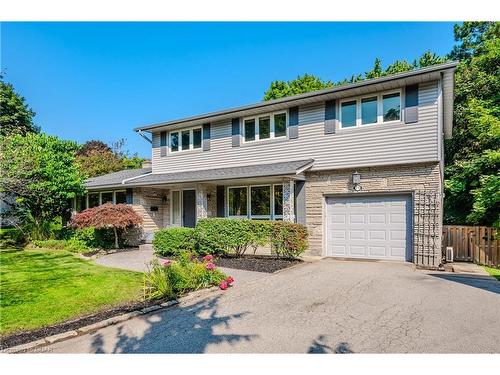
272,133
274,216
227,202
271,201
191,139
249,215
172,208
380,109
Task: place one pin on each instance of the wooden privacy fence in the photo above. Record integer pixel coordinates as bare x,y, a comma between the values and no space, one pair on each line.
480,245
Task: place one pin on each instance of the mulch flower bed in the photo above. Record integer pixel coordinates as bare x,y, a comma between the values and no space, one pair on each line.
28,336
261,263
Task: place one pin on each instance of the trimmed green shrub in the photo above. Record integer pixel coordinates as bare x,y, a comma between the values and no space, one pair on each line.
180,276
288,239
222,236
172,241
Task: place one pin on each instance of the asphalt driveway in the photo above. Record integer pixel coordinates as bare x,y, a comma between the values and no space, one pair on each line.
328,306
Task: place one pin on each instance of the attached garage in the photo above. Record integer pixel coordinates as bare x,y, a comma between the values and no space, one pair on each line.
369,227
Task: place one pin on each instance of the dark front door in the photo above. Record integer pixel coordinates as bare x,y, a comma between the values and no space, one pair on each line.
188,208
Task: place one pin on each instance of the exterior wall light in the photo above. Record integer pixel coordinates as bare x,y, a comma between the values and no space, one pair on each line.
356,181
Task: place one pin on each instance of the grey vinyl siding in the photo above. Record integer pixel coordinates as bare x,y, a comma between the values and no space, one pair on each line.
382,144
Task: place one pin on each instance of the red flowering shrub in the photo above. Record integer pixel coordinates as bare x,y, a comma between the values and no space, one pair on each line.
115,216
229,280
208,258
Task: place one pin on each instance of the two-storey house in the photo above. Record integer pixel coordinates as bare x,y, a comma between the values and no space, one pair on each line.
361,165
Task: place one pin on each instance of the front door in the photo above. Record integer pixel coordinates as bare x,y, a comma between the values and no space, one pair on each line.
189,208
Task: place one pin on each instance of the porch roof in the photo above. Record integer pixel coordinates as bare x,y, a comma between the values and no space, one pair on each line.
289,168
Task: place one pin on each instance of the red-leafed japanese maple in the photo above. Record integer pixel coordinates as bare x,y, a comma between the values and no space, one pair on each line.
115,216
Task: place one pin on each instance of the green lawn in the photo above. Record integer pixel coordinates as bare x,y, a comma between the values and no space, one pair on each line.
40,288
495,272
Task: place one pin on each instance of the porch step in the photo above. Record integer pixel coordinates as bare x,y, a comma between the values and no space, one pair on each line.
146,246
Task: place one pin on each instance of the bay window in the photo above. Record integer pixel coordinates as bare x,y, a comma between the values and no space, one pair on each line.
264,127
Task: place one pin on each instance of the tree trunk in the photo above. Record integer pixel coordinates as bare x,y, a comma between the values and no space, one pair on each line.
116,237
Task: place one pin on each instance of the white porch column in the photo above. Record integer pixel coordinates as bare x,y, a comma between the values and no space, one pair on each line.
288,200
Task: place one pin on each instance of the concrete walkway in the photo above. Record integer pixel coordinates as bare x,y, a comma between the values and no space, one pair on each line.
138,260
329,306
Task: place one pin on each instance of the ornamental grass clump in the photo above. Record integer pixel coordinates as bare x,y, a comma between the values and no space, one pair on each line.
181,275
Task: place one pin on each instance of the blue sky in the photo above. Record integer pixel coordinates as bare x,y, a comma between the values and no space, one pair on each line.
100,80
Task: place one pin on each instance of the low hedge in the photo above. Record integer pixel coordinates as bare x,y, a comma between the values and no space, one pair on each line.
171,241
223,236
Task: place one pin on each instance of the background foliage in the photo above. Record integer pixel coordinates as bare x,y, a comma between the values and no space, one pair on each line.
41,173
472,180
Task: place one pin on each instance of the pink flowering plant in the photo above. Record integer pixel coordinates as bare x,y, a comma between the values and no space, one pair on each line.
210,266
171,278
208,258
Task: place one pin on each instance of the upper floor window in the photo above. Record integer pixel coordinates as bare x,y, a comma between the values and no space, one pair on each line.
370,110
185,139
264,127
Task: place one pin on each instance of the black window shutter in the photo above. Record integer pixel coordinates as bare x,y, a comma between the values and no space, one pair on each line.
293,122
206,137
235,132
411,104
129,196
163,143
220,201
330,117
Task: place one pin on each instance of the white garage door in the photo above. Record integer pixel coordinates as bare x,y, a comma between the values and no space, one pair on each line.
369,227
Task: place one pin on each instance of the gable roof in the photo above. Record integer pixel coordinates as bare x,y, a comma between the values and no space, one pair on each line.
288,168
367,85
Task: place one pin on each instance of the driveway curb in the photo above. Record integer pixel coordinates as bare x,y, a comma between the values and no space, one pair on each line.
94,327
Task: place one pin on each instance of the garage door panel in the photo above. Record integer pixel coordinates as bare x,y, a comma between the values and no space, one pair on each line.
369,227
377,251
357,250
377,235
357,235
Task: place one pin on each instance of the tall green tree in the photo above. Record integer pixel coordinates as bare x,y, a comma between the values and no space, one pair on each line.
96,158
16,117
472,186
40,172
309,82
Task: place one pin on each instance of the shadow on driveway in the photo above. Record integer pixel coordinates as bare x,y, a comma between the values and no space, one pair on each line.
319,346
187,329
484,282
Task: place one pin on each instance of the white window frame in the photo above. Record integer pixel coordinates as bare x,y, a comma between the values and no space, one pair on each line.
271,202
172,208
227,202
272,134
191,139
271,216
380,109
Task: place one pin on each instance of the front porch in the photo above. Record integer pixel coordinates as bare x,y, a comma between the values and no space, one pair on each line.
261,192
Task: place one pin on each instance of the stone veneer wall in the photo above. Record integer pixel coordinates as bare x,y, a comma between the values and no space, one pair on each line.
143,199
416,178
